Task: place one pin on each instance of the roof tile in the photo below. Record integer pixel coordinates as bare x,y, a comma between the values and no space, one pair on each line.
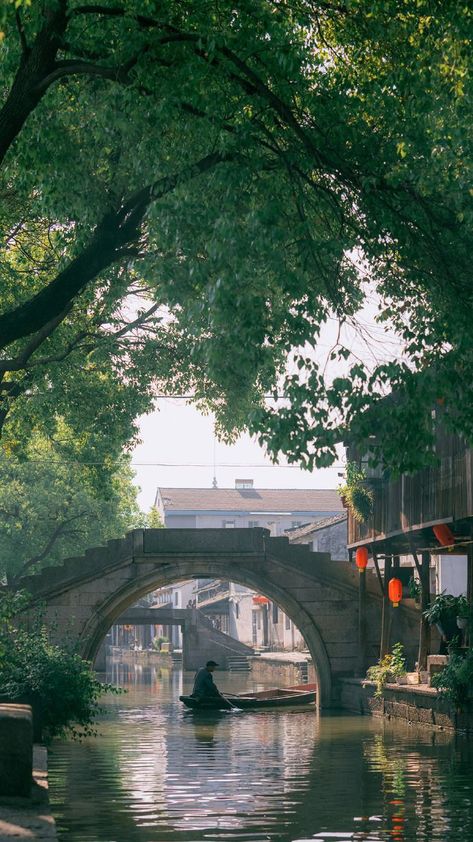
251,499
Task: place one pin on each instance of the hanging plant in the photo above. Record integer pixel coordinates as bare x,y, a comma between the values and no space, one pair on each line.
356,494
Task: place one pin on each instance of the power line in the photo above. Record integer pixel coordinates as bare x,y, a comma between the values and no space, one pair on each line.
171,464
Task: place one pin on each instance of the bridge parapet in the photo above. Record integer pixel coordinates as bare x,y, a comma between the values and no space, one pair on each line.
320,595
208,541
321,566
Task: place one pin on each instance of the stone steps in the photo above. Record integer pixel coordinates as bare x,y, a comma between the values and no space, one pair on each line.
238,663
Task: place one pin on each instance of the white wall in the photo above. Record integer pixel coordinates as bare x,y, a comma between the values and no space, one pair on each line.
452,574
277,524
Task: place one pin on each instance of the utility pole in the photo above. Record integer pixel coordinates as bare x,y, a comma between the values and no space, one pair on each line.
386,614
423,569
361,665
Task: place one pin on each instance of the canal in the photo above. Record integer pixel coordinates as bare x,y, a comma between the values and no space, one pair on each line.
157,772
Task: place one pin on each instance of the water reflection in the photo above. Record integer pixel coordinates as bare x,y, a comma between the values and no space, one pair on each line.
160,772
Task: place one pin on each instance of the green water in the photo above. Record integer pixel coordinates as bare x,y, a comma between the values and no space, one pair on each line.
158,772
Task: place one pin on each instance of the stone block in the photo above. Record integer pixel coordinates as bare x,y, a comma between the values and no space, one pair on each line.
443,720
16,750
425,715
376,706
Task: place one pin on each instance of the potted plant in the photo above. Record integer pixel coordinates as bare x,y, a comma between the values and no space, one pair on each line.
414,589
442,613
392,666
463,612
355,493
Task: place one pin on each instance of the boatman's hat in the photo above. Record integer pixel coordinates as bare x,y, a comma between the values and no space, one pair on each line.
211,664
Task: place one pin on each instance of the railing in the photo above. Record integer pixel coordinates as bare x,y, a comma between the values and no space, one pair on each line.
211,592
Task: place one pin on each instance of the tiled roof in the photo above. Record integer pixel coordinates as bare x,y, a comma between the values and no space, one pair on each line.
251,499
308,528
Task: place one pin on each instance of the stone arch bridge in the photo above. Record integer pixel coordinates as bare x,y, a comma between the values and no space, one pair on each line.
86,595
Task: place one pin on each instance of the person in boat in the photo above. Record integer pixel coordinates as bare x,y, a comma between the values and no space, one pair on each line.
204,686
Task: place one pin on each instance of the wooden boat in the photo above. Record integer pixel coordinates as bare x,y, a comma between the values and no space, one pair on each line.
299,694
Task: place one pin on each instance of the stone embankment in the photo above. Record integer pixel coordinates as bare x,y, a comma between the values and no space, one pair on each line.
283,668
418,704
24,805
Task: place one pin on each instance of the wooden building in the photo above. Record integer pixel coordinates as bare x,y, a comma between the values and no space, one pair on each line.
407,511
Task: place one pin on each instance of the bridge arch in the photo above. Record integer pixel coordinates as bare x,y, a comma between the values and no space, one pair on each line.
86,595
100,622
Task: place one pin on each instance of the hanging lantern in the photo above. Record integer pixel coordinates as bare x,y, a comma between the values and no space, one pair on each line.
395,591
361,558
444,535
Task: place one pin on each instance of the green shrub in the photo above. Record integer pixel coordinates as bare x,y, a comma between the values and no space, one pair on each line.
59,685
455,680
442,609
391,666
157,641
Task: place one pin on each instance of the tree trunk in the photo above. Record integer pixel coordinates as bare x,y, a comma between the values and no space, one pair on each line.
29,85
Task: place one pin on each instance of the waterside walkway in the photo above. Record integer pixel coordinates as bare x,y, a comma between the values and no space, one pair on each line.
30,819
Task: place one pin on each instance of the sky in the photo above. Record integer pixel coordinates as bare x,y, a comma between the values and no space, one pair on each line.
178,447
179,450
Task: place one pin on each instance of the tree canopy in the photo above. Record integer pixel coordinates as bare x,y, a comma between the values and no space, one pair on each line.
55,503
191,191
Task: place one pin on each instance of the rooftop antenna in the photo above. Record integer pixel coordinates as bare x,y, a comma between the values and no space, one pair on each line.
214,481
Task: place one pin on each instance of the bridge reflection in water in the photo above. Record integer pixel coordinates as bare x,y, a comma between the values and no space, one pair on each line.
157,772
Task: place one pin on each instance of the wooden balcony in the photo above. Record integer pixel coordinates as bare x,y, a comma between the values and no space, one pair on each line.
407,507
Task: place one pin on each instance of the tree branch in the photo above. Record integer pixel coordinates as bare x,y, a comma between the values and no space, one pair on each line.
72,67
136,323
21,33
117,230
19,363
52,540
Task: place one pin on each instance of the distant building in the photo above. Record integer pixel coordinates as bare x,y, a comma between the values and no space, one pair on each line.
325,536
236,610
245,507
247,616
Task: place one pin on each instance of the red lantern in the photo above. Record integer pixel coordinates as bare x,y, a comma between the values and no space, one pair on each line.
444,535
260,600
395,591
361,558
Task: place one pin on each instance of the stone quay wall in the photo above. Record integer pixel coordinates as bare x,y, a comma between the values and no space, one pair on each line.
282,673
419,705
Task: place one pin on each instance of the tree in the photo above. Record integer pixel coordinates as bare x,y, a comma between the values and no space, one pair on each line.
192,189
60,686
53,504
153,520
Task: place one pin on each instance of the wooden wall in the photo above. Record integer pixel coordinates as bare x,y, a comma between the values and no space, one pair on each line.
443,492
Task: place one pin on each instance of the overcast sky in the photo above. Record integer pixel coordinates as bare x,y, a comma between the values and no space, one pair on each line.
179,448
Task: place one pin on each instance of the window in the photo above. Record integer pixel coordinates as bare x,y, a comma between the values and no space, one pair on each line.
275,614
237,610
176,598
288,622
252,524
254,632
243,483
258,619
228,524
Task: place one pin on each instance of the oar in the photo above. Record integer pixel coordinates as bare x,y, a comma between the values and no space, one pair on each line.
230,704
